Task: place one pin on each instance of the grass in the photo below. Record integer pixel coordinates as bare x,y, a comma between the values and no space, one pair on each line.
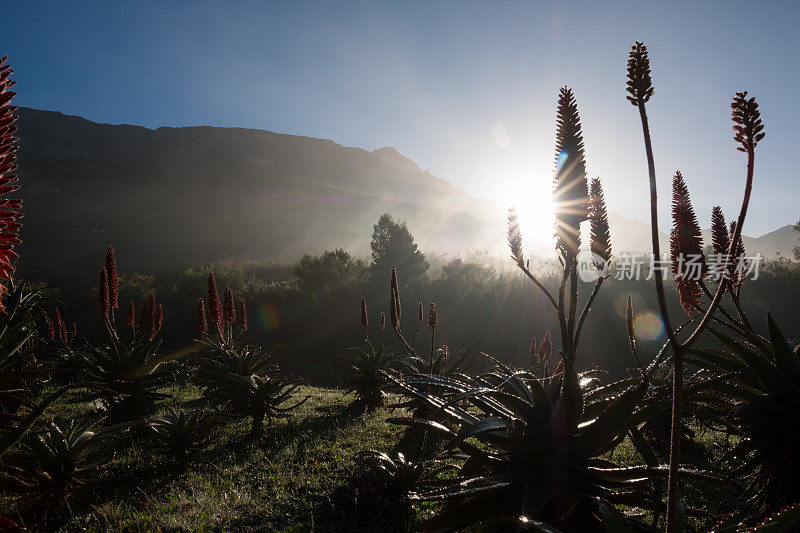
294,479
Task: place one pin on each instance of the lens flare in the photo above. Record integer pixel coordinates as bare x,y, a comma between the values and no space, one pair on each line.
268,317
561,159
648,326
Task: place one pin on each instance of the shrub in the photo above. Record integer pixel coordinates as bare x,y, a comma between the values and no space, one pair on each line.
245,379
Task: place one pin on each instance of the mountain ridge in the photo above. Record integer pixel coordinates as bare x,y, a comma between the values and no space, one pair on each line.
172,196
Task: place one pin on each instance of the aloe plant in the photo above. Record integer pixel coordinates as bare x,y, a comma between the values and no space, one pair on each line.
761,378
440,363
685,239
180,433
246,381
786,520
536,449
59,461
125,376
18,328
363,374
384,484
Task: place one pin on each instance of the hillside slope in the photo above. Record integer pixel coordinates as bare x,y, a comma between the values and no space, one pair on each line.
173,196
170,197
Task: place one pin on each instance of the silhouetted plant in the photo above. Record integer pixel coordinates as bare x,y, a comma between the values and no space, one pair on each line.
60,461
244,379
362,374
180,433
125,375
748,129
384,485
762,380
686,242
535,450
362,369
574,203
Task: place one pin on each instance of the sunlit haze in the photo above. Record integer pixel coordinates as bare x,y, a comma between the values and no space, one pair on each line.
467,91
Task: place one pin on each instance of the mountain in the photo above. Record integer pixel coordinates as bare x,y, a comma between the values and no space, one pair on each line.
631,235
170,197
779,242
174,196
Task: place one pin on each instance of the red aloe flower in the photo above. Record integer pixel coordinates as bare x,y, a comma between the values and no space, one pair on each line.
62,333
113,282
228,310
749,127
9,208
213,302
51,332
142,325
546,349
598,219
242,314
433,319
515,238
151,317
74,331
383,321
131,314
202,323
720,238
686,244
57,319
103,298
570,188
159,318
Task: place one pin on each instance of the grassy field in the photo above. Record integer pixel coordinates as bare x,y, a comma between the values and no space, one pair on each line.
294,479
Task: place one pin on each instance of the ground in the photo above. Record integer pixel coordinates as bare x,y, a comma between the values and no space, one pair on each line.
293,479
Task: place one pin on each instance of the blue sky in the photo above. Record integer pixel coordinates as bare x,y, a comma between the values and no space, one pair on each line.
467,90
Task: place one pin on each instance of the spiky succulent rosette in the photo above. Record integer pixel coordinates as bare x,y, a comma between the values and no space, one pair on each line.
570,189
686,244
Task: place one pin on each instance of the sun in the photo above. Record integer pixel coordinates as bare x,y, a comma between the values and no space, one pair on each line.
532,199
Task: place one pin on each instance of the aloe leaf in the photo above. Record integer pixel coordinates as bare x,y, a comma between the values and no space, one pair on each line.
767,375
613,520
785,360
596,437
11,438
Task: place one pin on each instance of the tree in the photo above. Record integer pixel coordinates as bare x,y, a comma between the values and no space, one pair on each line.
334,270
796,249
393,245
